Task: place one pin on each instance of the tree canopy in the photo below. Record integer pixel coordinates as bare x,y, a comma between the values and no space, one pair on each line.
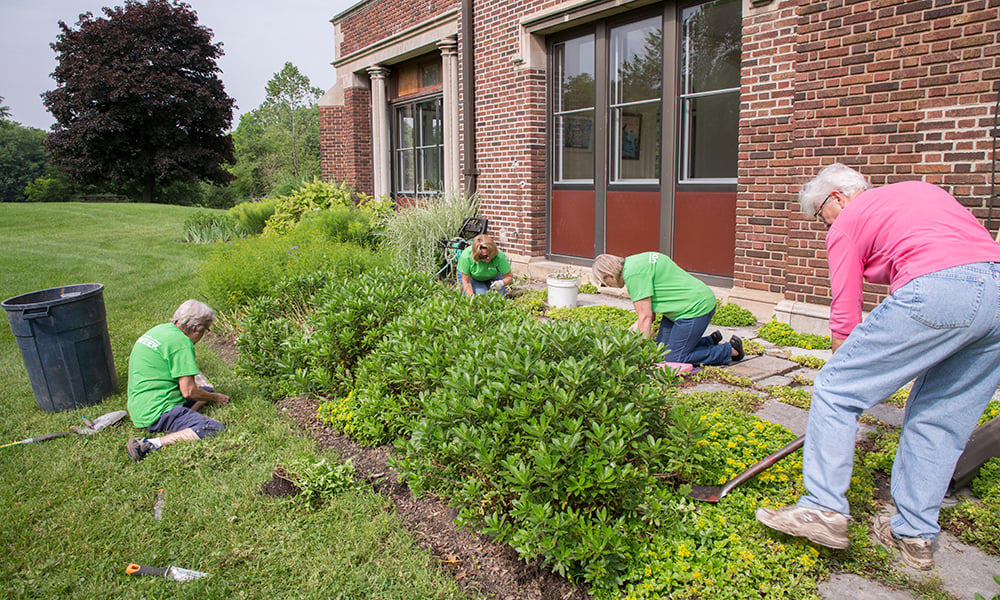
277,144
22,156
138,98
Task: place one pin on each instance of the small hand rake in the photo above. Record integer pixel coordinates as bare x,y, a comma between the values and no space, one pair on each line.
89,428
711,493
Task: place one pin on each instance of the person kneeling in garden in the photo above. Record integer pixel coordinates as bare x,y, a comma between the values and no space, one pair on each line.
482,267
163,395
656,285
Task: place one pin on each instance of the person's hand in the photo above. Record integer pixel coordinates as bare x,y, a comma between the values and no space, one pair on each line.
496,285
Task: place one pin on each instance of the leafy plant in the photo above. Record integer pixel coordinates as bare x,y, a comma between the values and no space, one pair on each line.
588,288
347,224
532,302
320,480
319,196
812,362
782,334
732,315
547,434
204,227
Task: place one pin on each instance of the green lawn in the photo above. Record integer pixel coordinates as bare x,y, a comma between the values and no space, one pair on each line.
77,511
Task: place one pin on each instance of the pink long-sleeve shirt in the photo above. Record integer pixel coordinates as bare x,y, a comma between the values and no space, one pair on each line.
896,233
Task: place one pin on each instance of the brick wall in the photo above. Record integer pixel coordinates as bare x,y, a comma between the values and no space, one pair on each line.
345,139
372,21
898,89
510,109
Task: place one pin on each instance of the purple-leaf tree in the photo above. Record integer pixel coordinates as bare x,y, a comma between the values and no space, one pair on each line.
138,99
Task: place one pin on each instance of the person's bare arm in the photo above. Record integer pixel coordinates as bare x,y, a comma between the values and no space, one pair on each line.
644,317
835,342
467,284
191,391
508,278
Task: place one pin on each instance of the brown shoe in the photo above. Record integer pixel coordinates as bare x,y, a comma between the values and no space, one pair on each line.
824,528
915,552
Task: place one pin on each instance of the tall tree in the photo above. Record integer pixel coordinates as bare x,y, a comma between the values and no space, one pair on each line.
278,143
138,98
22,159
288,92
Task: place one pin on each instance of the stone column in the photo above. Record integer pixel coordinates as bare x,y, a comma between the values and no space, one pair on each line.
449,109
381,146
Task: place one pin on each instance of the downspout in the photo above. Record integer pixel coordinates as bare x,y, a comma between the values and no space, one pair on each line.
469,170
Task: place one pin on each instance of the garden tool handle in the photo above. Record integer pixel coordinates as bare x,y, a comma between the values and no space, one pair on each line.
134,569
762,465
47,436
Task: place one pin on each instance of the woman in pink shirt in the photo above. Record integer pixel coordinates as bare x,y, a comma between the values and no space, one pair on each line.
940,326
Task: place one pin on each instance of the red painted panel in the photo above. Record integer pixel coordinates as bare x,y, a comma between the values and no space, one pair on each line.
573,223
705,232
633,223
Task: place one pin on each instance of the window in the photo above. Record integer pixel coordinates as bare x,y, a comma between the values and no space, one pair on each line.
710,91
636,66
418,154
574,110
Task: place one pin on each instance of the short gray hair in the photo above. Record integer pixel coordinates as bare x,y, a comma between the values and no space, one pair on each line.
831,178
606,265
193,316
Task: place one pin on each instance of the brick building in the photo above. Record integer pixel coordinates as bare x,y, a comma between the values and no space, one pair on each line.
590,126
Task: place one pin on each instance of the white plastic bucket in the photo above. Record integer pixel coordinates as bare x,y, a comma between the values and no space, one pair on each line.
562,291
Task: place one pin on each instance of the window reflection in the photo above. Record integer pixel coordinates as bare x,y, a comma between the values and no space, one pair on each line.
636,82
419,147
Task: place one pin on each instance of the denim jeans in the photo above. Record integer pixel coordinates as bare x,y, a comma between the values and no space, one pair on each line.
481,287
942,329
685,342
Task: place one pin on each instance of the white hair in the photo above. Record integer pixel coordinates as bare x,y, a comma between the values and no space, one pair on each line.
193,316
831,178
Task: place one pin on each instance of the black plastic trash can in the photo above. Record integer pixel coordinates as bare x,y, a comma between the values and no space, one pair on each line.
63,337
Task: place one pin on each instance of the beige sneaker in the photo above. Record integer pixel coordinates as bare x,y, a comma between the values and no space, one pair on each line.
824,528
915,552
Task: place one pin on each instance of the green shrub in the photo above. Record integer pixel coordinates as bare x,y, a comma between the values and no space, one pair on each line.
204,227
349,318
532,302
412,358
320,480
339,224
252,216
243,270
732,315
548,434
782,334
318,196
411,233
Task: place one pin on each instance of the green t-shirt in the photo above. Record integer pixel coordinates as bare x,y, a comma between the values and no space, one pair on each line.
483,271
159,359
675,293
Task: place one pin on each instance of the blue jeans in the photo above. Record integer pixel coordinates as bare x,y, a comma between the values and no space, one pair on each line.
685,342
481,287
943,329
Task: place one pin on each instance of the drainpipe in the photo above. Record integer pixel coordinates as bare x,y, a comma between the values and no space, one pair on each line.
993,174
469,170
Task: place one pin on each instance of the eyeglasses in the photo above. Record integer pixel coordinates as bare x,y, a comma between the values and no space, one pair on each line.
819,211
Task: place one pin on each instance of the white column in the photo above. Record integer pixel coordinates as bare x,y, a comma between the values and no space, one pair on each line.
381,147
449,75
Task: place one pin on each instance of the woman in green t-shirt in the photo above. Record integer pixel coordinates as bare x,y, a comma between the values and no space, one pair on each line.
480,265
656,285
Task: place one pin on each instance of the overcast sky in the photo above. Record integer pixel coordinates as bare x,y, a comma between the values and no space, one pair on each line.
258,37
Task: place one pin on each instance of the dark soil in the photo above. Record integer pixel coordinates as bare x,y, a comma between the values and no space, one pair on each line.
481,566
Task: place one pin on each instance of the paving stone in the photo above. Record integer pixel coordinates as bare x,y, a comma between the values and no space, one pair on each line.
847,586
887,413
963,570
779,380
791,417
761,367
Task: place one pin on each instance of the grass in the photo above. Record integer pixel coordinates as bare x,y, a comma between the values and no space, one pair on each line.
78,511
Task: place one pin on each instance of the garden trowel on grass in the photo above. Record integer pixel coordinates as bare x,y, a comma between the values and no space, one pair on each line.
175,573
711,493
88,428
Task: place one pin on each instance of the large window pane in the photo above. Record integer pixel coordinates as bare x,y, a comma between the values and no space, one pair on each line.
636,83
710,80
575,146
573,120
419,147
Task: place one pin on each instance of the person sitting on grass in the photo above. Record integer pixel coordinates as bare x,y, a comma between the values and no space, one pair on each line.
482,267
163,395
656,285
